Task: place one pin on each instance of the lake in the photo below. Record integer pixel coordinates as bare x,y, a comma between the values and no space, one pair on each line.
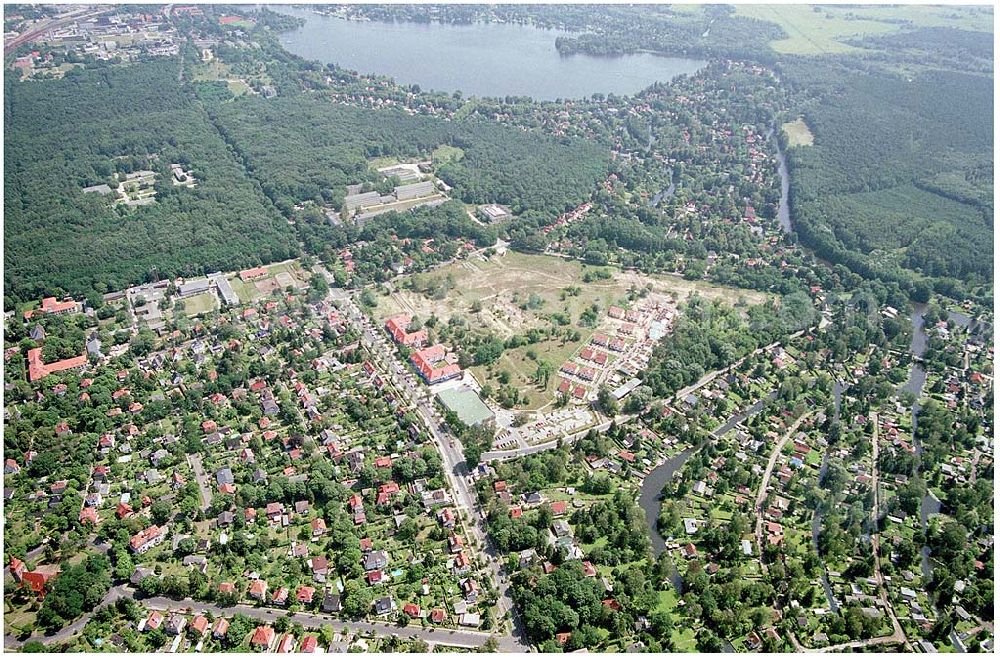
483,59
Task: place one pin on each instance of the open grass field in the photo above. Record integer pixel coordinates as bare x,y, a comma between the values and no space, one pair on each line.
815,30
505,283
681,289
446,153
216,70
522,370
812,32
684,640
970,17
246,290
798,133
501,285
238,87
200,304
210,70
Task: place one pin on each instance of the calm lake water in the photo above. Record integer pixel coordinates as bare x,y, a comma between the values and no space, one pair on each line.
484,59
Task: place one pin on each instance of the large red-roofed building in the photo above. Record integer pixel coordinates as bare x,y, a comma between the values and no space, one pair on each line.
253,274
397,328
51,305
37,369
433,365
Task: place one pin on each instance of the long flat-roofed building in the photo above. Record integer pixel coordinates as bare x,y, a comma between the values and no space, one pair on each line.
414,190
361,200
225,289
193,287
494,213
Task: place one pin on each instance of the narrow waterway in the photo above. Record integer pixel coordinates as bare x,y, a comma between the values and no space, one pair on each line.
918,375
651,494
817,525
666,192
739,418
650,500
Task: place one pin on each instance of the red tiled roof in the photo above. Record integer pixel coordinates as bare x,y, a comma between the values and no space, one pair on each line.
221,627
286,644
397,327
38,369
428,362
263,636
51,305
199,624
144,536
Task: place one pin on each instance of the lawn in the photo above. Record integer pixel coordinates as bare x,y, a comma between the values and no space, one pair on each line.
522,370
666,600
798,133
600,542
238,87
199,304
721,515
446,153
291,267
217,70
684,640
211,70
246,290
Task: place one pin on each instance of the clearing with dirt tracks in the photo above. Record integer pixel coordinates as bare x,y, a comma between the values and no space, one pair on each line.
511,293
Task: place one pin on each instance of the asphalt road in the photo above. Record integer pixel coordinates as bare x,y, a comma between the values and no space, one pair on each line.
457,637
452,455
199,475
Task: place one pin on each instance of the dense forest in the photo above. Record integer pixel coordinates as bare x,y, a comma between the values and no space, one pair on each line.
943,47
898,184
305,148
64,135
